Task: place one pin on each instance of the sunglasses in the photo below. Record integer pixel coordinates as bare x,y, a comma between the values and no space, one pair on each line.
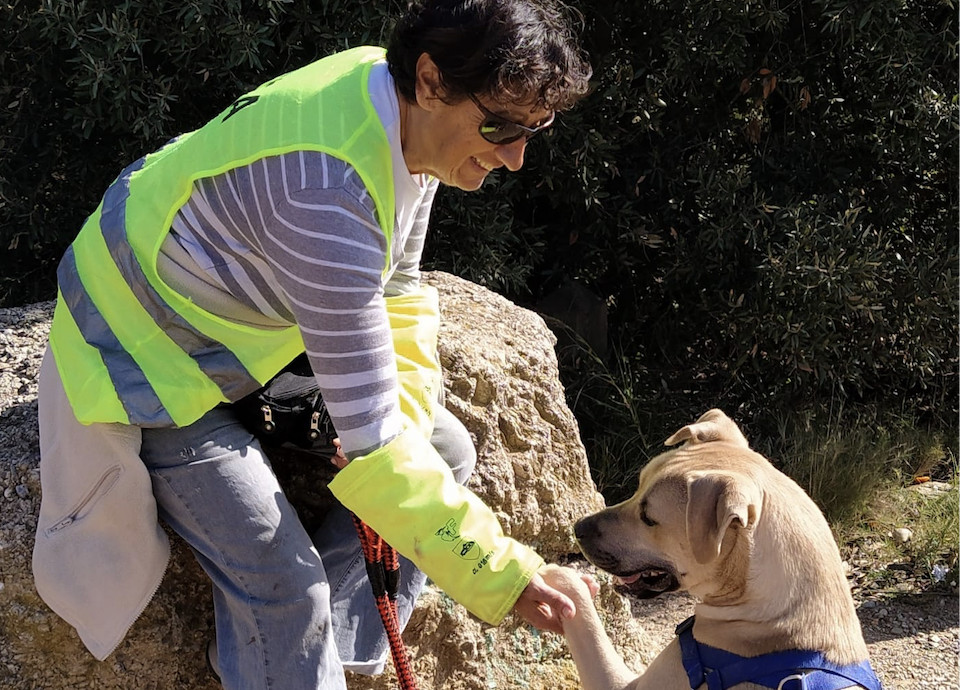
499,130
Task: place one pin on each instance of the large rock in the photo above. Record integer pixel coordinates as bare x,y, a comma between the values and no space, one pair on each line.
501,380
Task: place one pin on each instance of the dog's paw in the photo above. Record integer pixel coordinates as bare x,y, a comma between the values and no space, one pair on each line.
580,587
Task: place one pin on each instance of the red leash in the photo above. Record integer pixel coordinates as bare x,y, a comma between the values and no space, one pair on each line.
383,571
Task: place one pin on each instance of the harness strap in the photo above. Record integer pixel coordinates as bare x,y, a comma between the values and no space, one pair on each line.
383,571
788,670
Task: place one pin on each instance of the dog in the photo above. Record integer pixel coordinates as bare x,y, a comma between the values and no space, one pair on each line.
716,519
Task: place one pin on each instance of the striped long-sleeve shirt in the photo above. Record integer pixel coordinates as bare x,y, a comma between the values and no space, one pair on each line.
295,239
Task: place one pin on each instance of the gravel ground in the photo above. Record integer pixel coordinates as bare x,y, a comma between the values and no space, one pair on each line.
913,638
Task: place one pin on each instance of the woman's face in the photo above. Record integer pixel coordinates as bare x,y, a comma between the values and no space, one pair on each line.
462,157
448,143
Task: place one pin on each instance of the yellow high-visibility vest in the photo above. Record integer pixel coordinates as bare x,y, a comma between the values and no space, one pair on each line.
128,347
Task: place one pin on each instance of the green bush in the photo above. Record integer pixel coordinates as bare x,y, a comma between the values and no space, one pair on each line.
90,85
764,193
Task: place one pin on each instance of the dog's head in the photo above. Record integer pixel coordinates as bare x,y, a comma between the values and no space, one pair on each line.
680,527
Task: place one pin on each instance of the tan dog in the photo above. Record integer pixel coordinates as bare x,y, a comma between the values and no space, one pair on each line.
716,519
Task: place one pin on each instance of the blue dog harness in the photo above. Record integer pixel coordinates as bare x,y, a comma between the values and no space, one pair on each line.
789,670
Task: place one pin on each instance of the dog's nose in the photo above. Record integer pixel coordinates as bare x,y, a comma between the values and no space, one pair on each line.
585,528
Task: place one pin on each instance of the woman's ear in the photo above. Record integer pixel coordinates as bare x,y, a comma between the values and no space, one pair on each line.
429,87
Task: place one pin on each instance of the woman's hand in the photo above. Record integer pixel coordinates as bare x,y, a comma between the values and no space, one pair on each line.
544,606
338,458
580,587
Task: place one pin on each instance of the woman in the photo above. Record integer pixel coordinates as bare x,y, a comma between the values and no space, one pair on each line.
293,221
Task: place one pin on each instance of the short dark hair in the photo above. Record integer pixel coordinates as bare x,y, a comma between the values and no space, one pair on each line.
515,51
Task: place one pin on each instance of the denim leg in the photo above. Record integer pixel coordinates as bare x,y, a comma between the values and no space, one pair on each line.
271,595
358,630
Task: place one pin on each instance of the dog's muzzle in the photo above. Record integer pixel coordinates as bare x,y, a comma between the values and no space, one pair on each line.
648,583
644,580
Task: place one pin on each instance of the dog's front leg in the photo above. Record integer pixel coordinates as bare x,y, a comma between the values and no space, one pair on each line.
598,663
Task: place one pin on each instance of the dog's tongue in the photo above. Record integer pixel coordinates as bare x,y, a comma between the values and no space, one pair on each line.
629,578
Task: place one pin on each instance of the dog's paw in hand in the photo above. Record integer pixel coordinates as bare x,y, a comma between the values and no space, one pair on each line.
554,595
579,586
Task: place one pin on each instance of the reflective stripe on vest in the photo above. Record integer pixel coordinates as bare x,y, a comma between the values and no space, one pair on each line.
129,348
141,401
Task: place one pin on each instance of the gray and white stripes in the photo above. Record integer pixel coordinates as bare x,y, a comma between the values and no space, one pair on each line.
295,239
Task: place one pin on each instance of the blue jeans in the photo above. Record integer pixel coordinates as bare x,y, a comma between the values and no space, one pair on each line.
292,612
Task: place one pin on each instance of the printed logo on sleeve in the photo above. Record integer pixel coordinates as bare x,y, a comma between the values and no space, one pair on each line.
467,549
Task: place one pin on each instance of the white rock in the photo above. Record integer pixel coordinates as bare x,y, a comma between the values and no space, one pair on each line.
902,535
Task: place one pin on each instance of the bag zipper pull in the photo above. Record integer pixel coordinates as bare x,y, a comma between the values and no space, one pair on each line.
268,424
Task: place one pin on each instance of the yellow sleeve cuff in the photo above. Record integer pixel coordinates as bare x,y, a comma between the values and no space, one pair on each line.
407,494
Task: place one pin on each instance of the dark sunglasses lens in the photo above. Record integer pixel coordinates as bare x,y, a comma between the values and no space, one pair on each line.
501,132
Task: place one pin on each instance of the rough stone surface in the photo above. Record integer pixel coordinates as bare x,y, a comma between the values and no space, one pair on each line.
501,380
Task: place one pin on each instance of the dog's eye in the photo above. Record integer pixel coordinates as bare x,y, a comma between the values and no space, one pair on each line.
644,518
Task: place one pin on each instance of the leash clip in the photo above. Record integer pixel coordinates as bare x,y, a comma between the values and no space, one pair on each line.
797,676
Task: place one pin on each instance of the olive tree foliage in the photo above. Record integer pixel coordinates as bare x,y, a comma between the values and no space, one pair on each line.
764,192
86,86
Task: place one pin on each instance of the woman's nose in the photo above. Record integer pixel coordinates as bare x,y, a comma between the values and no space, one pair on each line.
511,155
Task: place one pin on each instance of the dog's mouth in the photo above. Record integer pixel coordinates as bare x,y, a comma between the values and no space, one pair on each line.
648,583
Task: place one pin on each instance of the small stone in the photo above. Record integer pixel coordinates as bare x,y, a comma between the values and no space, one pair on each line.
902,535
22,491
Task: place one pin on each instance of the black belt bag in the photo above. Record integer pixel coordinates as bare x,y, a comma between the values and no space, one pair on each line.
288,411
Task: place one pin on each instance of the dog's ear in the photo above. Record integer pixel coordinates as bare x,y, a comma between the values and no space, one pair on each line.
713,425
714,503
